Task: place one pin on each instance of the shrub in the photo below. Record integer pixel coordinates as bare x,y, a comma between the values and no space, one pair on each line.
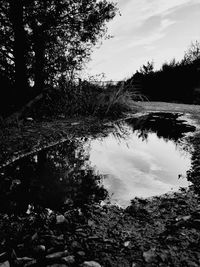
86,99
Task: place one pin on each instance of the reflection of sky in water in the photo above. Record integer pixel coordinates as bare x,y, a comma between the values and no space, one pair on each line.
139,168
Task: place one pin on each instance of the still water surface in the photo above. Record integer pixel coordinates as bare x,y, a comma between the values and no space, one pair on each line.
137,167
141,157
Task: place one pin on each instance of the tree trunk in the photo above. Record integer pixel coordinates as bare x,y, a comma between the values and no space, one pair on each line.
39,49
19,50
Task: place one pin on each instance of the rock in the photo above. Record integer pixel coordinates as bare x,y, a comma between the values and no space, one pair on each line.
84,235
51,250
127,243
81,254
90,223
76,246
186,218
29,119
149,255
39,251
31,263
22,261
91,264
34,237
78,230
75,123
57,255
68,260
5,264
60,219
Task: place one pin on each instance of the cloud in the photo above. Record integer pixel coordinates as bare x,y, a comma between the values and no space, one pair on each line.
152,33
147,30
143,13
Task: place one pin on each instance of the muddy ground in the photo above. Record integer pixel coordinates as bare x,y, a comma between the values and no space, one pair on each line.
161,231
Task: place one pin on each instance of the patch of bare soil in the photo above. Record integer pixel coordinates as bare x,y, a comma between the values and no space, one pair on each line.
162,231
27,136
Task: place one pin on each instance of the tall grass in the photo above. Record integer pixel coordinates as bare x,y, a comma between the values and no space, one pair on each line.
87,99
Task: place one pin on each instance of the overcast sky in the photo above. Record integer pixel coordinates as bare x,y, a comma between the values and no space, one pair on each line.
157,30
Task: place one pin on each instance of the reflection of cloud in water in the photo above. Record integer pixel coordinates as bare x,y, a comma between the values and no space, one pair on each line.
140,169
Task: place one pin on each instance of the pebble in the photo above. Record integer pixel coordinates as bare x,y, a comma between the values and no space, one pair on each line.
149,255
30,263
34,237
81,254
90,223
127,243
186,218
29,119
39,250
60,219
5,264
57,255
69,259
91,264
22,261
75,245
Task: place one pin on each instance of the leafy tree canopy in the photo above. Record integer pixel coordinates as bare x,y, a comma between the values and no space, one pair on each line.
42,40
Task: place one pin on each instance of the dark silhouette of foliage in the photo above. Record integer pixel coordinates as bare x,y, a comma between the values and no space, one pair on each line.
56,178
148,68
175,81
42,41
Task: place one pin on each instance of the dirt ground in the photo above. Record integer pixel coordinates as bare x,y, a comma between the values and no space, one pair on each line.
160,231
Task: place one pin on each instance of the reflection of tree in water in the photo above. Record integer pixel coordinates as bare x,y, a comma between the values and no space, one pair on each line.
53,178
165,125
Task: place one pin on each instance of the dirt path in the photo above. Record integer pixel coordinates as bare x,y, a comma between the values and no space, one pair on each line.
170,107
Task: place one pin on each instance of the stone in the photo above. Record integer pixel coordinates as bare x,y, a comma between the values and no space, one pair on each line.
31,263
5,264
91,264
60,219
22,261
75,123
34,237
149,255
57,255
29,119
186,218
90,223
68,260
81,254
39,251
76,245
127,243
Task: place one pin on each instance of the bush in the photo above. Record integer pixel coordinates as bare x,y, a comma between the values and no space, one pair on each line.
85,99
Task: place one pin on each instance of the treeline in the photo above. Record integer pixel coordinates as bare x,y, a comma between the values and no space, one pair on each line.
44,43
174,82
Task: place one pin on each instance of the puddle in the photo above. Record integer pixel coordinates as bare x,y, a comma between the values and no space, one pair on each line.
151,158
141,157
